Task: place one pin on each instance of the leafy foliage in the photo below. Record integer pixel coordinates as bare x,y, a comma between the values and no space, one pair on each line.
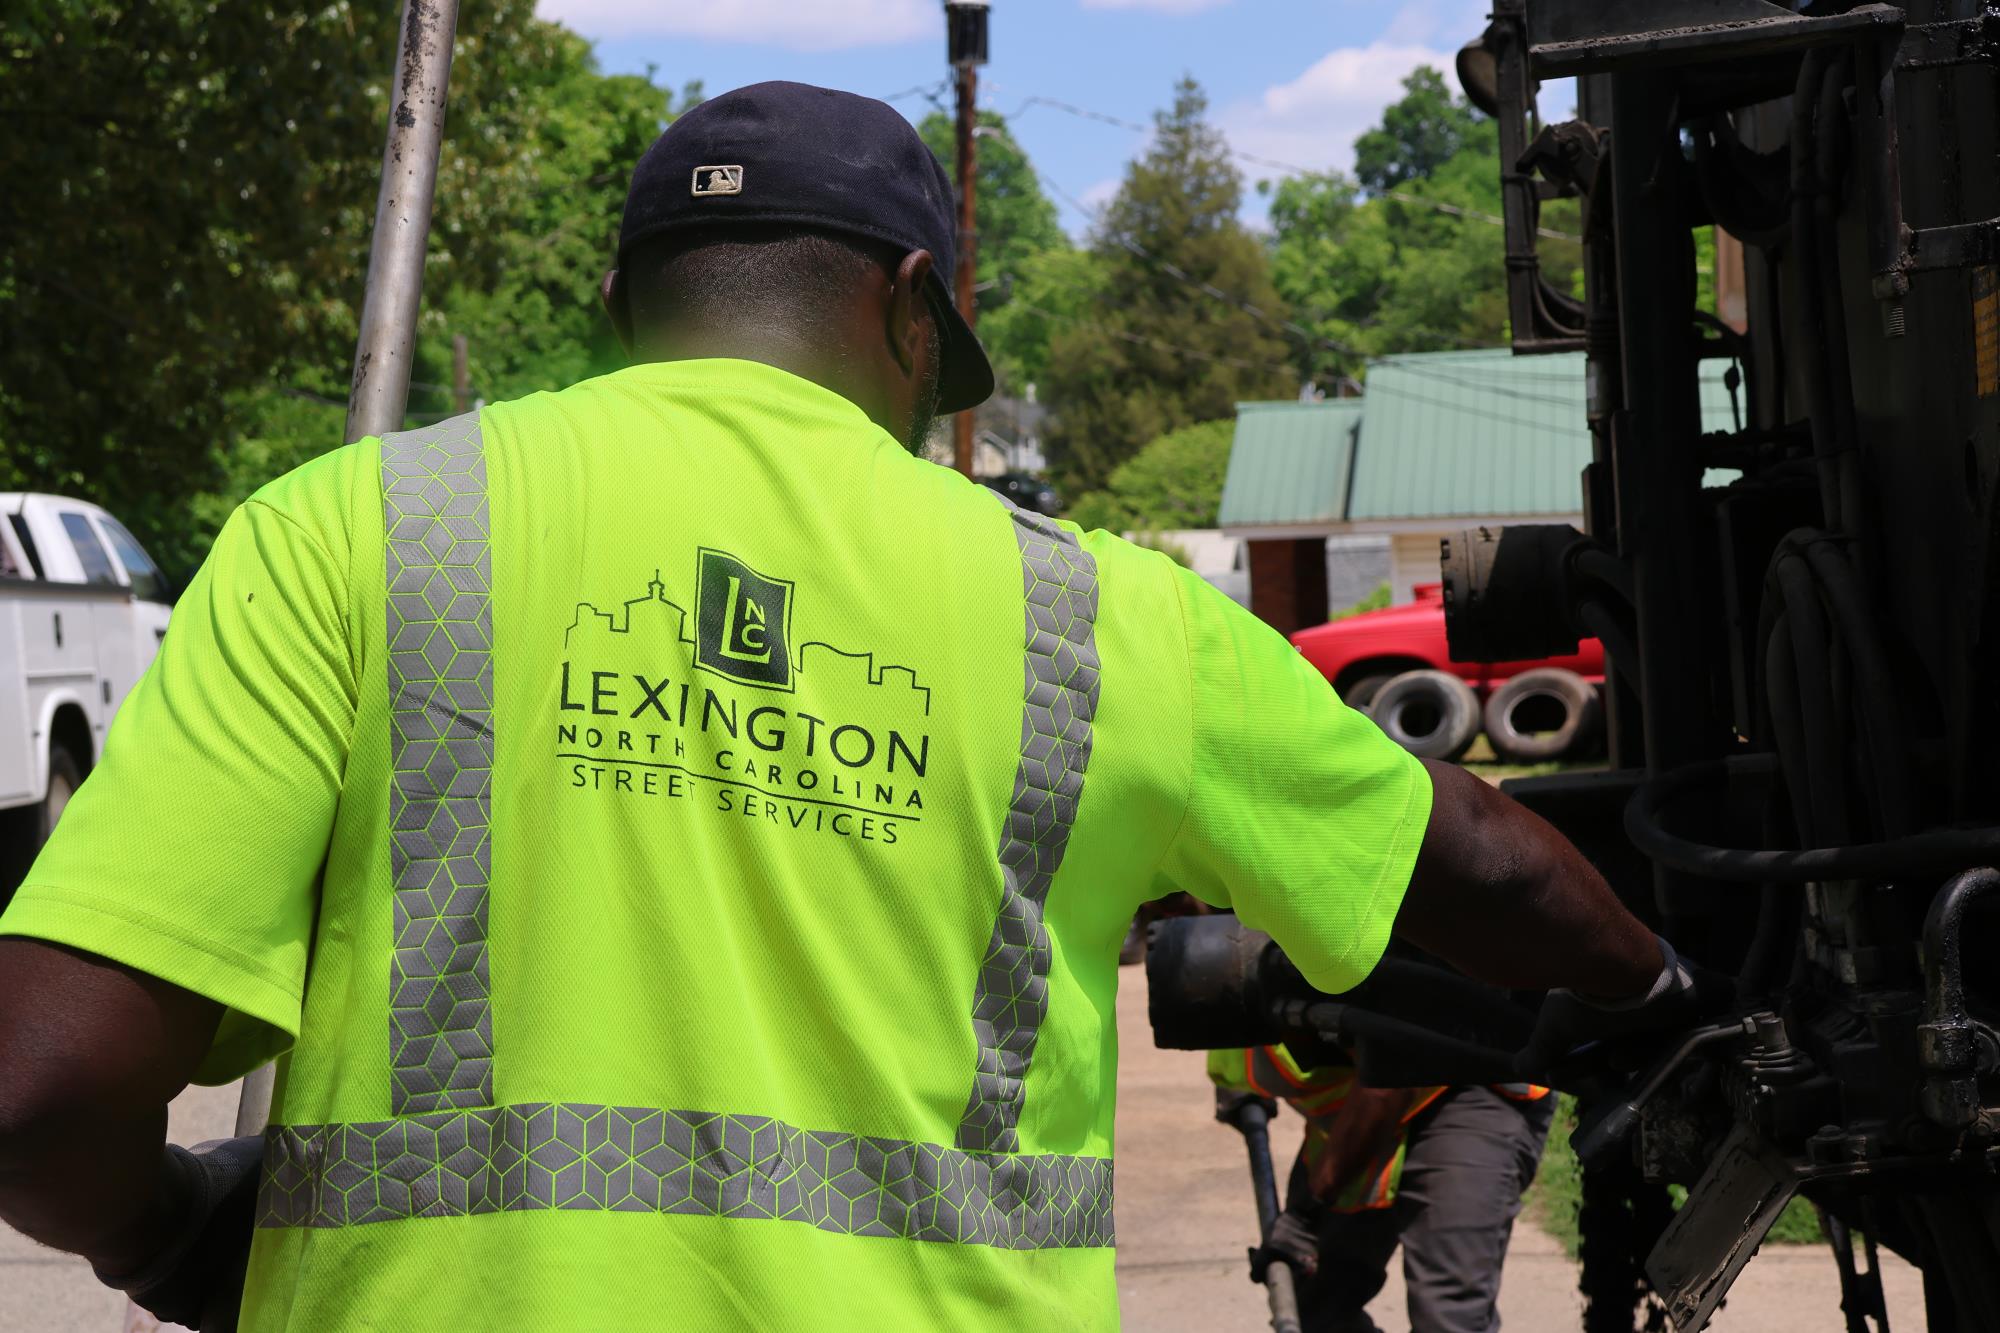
1016,226
1371,274
1162,352
1557,1194
1174,482
1051,290
1377,598
183,237
1418,134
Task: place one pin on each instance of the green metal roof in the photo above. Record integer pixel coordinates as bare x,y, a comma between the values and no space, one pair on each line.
1289,463
1470,434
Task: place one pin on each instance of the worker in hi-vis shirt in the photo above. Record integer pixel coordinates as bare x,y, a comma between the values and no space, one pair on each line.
677,842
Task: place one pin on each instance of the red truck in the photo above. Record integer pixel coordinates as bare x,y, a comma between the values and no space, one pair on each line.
1393,663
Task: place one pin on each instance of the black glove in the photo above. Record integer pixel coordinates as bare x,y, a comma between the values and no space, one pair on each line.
199,1270
1678,997
1293,1240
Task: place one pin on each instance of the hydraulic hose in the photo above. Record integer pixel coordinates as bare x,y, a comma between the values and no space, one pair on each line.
1811,295
1824,821
1933,852
1611,631
1874,684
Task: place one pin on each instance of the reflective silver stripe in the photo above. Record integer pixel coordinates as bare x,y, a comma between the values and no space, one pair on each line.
1059,584
439,576
568,1155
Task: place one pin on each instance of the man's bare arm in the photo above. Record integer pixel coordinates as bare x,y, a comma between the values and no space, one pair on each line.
90,1055
1502,896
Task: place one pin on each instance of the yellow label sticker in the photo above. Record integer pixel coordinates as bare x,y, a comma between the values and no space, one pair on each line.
1986,329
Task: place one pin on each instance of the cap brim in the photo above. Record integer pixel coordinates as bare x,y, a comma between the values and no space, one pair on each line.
966,379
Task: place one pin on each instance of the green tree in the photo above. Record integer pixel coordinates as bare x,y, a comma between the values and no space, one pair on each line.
1173,483
183,242
1016,225
1419,133
1169,342
1052,290
1423,269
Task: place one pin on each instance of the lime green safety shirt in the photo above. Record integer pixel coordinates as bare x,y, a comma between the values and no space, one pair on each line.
679,844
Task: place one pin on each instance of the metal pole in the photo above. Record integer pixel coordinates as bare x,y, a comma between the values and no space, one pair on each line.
1248,1116
968,239
253,1104
395,283
1656,463
381,388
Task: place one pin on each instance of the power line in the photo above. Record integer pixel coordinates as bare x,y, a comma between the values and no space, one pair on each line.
1206,288
928,91
1161,344
1293,168
1370,387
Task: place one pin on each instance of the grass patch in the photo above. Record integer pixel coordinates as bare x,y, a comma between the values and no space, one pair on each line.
1557,1193
1481,760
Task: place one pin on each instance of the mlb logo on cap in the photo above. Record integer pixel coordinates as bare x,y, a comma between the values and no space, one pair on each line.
717,180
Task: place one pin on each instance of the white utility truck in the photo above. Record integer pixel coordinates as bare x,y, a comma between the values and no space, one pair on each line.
82,612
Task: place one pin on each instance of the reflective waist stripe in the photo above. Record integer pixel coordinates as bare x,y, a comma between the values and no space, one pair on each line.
450,1152
571,1156
1059,591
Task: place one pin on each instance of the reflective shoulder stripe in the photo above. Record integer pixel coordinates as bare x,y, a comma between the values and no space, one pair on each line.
1059,593
439,577
583,1156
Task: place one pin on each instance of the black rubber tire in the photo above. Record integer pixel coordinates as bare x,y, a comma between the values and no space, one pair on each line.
1560,697
1363,691
65,776
24,829
1432,714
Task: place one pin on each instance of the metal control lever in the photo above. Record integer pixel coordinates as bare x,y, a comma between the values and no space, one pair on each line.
1609,1127
1250,1116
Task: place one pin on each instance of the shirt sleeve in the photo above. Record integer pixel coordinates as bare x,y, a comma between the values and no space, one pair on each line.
192,851
1301,815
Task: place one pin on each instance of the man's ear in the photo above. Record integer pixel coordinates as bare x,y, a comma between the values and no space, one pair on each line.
908,309
611,291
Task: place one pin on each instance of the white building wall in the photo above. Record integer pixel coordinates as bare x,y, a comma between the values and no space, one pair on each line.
1413,559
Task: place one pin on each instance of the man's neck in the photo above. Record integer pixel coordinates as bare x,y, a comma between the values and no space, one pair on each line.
795,353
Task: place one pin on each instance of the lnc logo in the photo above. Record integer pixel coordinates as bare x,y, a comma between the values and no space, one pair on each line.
742,622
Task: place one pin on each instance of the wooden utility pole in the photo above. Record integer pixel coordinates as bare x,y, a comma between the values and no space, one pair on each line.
968,237
965,27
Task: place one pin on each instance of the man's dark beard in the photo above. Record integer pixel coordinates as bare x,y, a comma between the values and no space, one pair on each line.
924,414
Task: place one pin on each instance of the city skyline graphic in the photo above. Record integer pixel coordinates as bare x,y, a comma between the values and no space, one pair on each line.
836,665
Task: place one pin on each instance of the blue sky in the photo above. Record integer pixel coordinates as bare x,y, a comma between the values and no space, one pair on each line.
1287,79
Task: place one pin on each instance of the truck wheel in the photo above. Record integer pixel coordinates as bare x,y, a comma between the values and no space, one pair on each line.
65,776
25,829
1543,714
1362,692
1432,714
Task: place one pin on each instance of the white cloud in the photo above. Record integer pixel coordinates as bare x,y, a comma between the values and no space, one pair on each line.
1167,6
820,25
1312,121
1102,193
1447,23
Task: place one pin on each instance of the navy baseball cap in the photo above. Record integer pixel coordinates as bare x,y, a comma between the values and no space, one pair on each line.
816,157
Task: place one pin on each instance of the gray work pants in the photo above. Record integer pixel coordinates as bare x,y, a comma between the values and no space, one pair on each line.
1471,1153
